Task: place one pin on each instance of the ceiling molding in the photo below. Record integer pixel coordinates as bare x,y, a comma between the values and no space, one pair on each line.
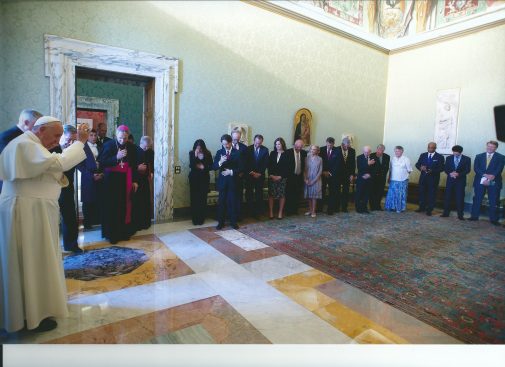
315,17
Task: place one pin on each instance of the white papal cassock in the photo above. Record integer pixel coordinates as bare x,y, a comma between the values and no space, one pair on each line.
32,281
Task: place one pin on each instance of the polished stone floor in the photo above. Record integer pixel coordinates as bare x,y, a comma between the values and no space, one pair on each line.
208,287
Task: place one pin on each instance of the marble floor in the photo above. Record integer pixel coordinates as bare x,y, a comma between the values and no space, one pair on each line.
201,286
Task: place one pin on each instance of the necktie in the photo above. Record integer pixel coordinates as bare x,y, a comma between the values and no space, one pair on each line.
456,162
257,153
345,155
227,154
329,154
297,163
488,160
380,159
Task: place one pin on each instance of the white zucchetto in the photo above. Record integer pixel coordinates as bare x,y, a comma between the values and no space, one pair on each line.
46,120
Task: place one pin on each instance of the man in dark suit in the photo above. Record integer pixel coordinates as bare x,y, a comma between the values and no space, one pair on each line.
379,173
91,180
364,180
236,135
256,165
457,167
227,161
488,169
430,164
69,225
346,160
26,121
329,156
102,135
294,186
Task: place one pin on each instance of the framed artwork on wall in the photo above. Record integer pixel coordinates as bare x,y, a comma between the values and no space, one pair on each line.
244,130
303,125
446,120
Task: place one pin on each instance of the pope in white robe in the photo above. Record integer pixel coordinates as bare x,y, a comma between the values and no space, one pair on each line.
32,281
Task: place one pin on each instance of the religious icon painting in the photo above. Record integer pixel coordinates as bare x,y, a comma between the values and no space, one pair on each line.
303,125
242,128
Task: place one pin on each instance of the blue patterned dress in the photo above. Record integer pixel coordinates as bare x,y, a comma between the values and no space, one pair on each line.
313,171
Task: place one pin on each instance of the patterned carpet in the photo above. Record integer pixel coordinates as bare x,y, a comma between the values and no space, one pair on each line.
448,273
103,263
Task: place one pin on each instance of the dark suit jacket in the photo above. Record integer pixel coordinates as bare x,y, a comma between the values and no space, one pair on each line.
100,144
332,164
495,168
463,169
88,168
8,135
348,167
280,168
380,171
436,166
290,154
363,167
234,163
256,165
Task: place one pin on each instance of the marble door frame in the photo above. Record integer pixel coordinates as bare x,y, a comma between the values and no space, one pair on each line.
63,55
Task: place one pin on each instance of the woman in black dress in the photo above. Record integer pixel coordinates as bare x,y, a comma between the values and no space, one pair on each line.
200,163
278,171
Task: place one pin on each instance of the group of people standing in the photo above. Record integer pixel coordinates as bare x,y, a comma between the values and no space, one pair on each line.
38,158
325,174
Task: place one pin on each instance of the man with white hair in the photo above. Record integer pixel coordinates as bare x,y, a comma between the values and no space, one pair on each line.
32,282
364,179
145,168
26,120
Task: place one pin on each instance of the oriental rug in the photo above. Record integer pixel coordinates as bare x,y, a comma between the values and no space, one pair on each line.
445,272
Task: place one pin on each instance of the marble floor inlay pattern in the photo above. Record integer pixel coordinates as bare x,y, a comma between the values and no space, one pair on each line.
162,264
201,286
210,320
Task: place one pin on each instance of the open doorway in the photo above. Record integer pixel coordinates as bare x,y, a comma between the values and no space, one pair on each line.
105,100
64,55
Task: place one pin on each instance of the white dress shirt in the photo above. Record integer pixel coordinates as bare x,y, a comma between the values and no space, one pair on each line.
93,148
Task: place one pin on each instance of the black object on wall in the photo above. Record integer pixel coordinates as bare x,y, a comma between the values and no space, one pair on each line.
499,120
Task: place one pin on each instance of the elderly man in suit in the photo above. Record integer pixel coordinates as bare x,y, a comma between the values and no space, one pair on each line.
364,179
380,171
488,167
256,165
457,167
328,154
229,164
294,186
430,164
346,160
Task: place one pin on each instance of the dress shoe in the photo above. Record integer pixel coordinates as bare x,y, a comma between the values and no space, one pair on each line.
75,250
235,226
280,218
219,226
428,214
329,213
419,210
45,325
345,211
308,213
444,215
473,219
365,212
495,223
461,218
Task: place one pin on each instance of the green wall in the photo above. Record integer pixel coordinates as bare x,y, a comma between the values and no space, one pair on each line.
238,63
131,101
